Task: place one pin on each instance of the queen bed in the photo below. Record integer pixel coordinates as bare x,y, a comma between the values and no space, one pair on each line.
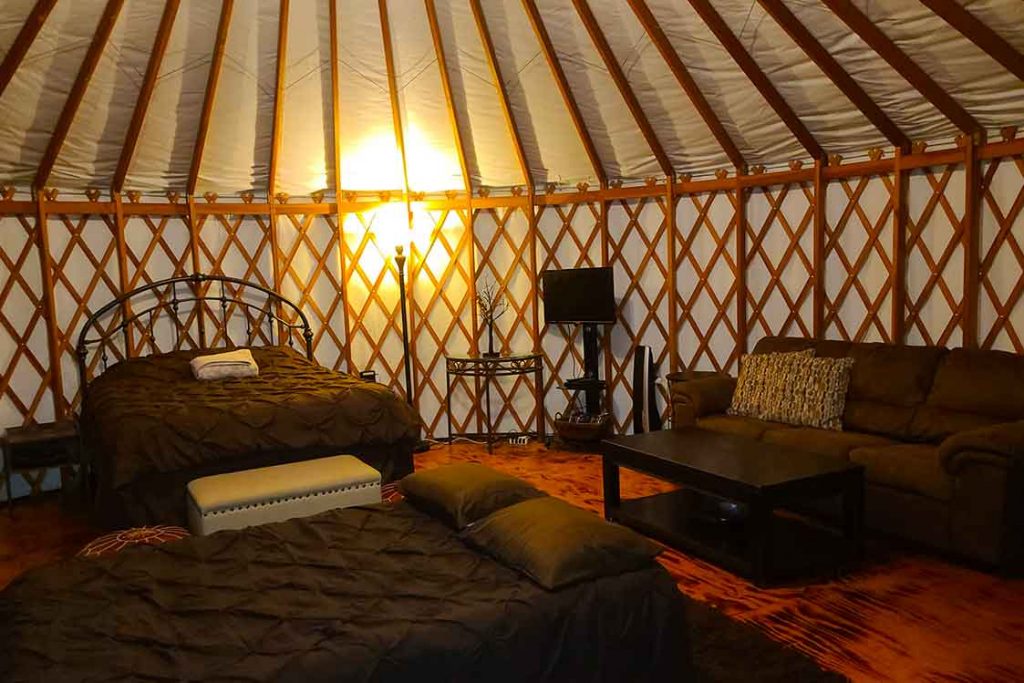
374,593
149,427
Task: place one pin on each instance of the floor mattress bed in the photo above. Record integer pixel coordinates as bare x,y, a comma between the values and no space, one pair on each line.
149,427
376,593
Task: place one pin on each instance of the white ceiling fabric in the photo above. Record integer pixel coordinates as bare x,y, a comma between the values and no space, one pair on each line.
237,153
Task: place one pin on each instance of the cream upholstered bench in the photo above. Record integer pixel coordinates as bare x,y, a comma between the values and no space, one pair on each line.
271,494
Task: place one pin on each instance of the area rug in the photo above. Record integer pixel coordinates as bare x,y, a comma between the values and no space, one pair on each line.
903,616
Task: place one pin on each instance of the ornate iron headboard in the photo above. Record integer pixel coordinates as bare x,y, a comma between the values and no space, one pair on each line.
198,291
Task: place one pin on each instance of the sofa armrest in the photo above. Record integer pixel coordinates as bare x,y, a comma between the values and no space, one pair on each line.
700,397
1001,445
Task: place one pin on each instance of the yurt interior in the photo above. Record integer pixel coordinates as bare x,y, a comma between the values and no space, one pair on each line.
512,340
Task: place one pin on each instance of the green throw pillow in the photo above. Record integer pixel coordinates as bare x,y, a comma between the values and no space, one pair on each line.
464,492
556,544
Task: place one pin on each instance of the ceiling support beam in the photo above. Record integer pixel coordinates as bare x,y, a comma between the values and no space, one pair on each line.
541,32
275,133
686,82
396,111
993,44
335,103
904,65
446,87
92,57
212,79
622,83
753,72
499,86
839,77
26,36
156,57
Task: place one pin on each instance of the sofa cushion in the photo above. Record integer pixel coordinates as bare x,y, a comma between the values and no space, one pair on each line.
750,427
972,389
824,441
893,375
934,425
908,467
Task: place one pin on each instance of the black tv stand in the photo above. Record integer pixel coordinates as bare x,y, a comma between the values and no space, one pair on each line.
590,384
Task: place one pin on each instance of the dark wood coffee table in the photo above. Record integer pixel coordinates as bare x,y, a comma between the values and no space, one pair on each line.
731,488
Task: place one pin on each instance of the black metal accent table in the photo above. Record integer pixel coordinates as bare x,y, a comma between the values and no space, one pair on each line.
488,368
716,468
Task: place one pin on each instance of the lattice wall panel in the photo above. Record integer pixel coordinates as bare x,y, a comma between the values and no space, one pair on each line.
638,248
24,354
707,265
935,256
236,246
372,303
158,248
441,268
1001,305
502,242
310,265
858,259
780,266
568,236
84,266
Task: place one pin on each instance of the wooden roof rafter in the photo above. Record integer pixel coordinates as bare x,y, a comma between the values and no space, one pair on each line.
275,134
558,73
622,83
396,111
976,31
446,87
26,36
499,85
210,95
859,23
335,100
131,139
682,75
757,77
835,73
88,67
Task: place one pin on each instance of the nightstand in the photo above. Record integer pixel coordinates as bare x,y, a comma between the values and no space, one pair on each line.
39,447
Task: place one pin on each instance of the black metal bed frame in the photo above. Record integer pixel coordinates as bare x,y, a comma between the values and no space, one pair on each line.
198,292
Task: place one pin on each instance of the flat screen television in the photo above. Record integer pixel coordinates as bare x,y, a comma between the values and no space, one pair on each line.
579,295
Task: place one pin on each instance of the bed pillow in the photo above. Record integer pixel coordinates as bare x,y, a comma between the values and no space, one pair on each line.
556,544
462,493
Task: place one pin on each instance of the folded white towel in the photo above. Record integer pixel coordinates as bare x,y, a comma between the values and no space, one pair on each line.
229,365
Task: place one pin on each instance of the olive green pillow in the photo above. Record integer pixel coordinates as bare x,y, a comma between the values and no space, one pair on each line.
462,493
556,544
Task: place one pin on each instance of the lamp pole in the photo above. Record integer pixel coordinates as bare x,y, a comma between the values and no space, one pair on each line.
400,262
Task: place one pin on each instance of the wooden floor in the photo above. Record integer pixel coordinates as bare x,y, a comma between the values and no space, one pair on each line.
905,616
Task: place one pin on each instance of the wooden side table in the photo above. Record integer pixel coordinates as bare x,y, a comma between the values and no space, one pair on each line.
39,446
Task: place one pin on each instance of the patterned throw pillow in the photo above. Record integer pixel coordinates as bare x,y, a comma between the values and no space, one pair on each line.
815,394
800,390
762,381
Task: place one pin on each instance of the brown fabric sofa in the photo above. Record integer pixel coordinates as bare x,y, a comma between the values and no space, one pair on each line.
939,431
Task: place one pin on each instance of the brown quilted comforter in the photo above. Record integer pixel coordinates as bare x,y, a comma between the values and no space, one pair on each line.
150,416
376,593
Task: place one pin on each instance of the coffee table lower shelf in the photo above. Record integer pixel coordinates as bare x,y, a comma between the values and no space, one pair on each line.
685,519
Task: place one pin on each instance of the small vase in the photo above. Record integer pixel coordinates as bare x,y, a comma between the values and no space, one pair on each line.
490,353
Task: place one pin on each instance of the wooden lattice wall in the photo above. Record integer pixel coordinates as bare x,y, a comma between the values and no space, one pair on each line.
894,252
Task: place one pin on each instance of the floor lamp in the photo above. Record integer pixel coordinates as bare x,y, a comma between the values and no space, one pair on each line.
421,445
400,263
